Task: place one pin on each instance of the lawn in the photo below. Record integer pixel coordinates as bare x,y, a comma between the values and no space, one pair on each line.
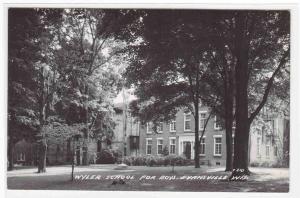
139,178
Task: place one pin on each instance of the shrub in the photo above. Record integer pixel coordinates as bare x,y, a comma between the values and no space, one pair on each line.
117,155
277,165
265,164
139,160
168,160
151,161
165,151
128,160
174,160
160,160
105,156
254,164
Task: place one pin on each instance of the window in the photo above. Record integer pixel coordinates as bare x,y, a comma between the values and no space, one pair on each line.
148,126
187,121
268,143
202,146
159,146
172,145
217,145
148,146
267,151
173,126
275,151
202,119
217,124
160,127
268,140
258,146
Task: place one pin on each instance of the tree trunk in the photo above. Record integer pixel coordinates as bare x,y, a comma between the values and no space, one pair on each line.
241,140
11,145
42,156
85,157
85,160
228,123
196,146
228,128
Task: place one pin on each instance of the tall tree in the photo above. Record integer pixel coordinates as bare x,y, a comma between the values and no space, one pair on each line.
261,43
24,52
89,58
170,64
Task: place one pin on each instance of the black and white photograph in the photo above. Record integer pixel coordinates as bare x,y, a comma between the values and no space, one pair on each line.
148,99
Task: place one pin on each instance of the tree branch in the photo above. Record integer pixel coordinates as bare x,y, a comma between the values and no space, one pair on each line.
269,86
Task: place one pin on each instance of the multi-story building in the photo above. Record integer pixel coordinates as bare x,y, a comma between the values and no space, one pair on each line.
178,136
126,132
267,147
268,143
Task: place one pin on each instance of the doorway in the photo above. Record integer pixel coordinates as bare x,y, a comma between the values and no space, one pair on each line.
187,148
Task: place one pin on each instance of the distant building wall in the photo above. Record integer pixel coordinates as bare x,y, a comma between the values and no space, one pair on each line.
121,136
270,147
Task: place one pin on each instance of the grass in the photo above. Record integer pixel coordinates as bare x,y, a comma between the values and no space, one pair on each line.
262,180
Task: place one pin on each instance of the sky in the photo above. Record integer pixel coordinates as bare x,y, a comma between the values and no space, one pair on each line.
129,94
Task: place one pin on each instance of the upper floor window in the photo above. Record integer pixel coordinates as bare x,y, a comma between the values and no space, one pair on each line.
217,124
173,126
148,128
202,120
187,121
160,127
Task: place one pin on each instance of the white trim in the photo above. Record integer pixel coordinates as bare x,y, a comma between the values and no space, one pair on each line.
200,119
162,148
215,124
172,131
217,136
172,138
184,120
147,146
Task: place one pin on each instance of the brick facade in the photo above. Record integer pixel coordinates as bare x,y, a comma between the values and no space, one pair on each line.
184,144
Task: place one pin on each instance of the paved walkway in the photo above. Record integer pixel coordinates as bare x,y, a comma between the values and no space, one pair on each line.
260,174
